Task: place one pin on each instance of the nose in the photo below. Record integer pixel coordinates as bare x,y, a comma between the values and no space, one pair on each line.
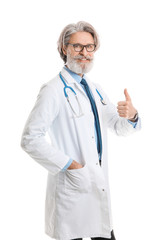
84,51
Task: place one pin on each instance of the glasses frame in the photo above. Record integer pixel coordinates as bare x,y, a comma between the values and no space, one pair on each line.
83,46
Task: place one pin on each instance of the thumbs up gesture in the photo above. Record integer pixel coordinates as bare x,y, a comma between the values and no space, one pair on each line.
125,108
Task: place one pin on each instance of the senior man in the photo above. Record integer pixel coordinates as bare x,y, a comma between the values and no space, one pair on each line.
76,113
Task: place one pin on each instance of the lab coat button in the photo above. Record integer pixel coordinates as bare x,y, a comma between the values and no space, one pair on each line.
103,189
97,163
92,136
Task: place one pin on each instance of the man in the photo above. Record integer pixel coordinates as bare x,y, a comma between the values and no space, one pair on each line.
76,113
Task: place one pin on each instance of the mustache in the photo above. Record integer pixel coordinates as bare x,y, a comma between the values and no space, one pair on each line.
81,57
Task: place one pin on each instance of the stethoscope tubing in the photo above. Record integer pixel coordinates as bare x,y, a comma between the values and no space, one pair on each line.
66,95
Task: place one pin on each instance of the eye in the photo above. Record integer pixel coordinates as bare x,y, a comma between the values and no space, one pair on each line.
90,47
78,46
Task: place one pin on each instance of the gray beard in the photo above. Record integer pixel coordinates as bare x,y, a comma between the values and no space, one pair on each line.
78,68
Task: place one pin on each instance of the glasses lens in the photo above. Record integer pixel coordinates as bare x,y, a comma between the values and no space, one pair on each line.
78,47
90,47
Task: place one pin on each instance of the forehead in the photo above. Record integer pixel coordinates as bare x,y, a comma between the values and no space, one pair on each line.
81,37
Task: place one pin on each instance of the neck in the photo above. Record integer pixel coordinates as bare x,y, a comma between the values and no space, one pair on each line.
80,74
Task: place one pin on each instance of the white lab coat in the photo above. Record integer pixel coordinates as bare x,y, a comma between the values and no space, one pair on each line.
77,201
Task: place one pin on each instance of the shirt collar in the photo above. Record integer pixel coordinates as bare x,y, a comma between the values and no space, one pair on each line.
74,75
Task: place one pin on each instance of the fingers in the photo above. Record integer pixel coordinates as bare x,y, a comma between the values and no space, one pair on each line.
122,103
127,96
124,114
123,109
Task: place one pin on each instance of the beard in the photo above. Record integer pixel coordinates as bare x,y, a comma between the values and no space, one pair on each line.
79,67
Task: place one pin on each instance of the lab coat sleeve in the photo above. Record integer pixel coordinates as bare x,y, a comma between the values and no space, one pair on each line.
67,165
33,139
119,125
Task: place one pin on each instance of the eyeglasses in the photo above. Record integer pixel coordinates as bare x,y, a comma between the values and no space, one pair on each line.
79,47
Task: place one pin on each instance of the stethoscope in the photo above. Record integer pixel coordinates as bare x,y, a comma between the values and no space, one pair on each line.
79,105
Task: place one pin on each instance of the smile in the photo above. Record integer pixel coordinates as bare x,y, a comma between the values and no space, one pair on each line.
83,60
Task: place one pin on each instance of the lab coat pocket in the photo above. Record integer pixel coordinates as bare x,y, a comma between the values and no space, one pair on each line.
77,179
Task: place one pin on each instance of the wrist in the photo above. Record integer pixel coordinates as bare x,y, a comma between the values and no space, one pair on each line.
134,119
74,165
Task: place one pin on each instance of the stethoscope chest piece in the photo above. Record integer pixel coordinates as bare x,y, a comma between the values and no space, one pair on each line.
101,98
103,102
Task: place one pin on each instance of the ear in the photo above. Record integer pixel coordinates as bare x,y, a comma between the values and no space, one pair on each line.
64,49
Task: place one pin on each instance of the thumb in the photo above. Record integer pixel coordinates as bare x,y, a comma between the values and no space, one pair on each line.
127,97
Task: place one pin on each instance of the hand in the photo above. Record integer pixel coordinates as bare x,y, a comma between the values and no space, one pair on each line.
75,165
125,108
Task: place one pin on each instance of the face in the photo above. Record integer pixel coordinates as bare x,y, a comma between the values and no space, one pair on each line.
79,62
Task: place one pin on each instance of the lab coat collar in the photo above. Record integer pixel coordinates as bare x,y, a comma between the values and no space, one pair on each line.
70,80
74,75
67,77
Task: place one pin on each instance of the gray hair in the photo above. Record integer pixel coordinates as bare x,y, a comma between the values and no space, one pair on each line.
73,28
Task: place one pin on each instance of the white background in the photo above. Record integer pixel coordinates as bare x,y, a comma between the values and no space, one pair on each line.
128,58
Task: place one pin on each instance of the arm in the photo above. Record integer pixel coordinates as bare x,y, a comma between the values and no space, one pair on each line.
33,139
115,121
